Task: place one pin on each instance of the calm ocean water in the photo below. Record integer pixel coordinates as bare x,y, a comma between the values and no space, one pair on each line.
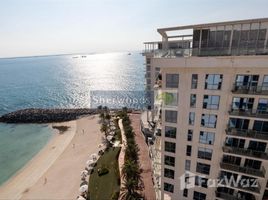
53,82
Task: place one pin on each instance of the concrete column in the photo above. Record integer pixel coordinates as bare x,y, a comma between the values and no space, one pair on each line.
266,40
165,43
200,40
231,40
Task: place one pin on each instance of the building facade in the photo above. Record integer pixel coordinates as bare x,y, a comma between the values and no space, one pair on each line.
211,98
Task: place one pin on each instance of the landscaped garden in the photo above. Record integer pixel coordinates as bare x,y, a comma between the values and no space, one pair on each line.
106,186
104,181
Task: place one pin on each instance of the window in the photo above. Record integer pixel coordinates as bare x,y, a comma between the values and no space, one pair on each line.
190,135
265,83
185,192
246,81
169,187
206,137
262,106
188,150
242,104
170,132
187,165
191,118
186,179
241,124
192,100
169,173
204,153
201,181
261,126
209,121
211,102
171,116
148,61
172,80
213,81
228,175
235,142
203,168
148,68
257,146
194,81
254,164
170,147
169,160
199,196
231,159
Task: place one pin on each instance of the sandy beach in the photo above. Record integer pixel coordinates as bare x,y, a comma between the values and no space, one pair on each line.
54,173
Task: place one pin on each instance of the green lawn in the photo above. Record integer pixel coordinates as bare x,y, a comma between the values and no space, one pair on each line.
103,187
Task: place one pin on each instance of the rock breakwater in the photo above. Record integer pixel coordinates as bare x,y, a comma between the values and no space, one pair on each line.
36,115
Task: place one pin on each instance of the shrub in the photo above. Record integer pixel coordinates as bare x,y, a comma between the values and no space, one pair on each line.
115,195
103,171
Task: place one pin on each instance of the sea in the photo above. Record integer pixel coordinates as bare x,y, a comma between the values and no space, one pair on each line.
62,81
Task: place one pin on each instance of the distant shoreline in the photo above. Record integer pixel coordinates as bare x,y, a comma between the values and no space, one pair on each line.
67,54
37,56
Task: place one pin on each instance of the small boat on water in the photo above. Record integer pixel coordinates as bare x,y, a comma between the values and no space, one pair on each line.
129,54
83,56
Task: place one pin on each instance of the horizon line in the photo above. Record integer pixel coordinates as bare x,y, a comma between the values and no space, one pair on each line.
66,54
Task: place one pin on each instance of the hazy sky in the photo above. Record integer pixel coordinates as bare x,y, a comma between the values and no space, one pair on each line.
40,27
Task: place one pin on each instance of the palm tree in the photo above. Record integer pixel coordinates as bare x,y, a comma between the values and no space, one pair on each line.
132,152
129,191
101,116
132,171
104,129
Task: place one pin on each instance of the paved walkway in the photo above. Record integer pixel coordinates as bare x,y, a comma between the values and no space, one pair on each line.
145,160
121,157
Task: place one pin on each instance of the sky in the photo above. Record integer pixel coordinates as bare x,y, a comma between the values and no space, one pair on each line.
47,27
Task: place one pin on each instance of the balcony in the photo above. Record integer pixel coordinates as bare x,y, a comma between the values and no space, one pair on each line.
208,51
247,133
224,195
249,113
245,152
244,89
245,170
240,184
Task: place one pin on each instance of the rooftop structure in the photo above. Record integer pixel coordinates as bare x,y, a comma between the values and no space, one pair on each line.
243,37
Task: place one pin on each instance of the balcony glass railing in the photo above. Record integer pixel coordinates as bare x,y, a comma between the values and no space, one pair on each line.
247,133
245,152
246,170
209,51
249,113
239,184
245,89
224,195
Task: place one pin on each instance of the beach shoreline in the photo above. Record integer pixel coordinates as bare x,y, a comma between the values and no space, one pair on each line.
42,174
11,189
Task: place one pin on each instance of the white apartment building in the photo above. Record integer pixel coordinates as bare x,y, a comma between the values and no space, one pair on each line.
212,80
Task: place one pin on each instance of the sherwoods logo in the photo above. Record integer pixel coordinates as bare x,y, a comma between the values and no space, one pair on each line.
190,180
